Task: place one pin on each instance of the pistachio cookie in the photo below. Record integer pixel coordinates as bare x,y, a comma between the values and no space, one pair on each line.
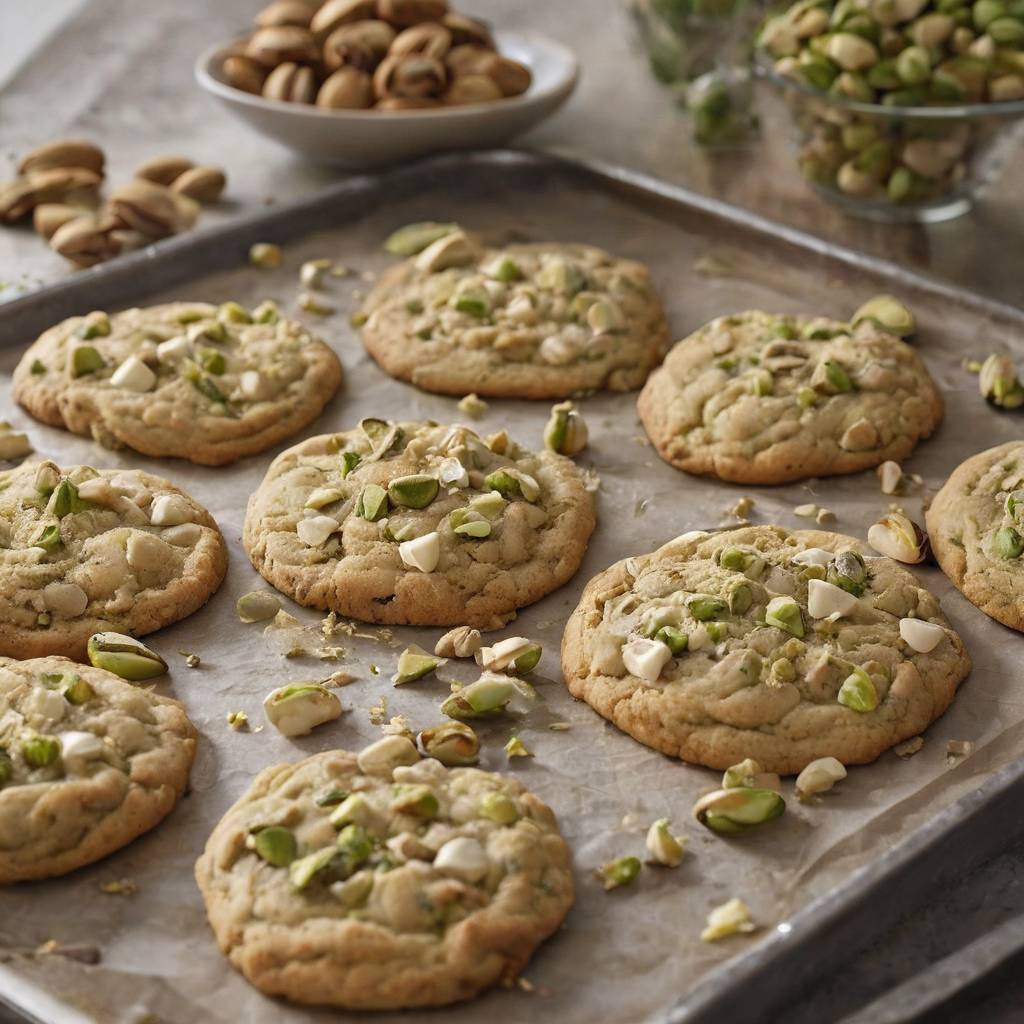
976,527
755,642
762,399
88,762
383,881
188,380
85,550
524,321
418,523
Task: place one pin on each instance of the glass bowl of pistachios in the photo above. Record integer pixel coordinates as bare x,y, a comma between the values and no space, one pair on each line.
904,110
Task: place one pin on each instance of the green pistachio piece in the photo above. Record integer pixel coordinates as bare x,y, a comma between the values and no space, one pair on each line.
355,809
331,798
212,361
831,377
452,743
618,872
48,539
558,274
65,500
75,689
784,613
412,239
476,528
473,302
355,846
85,359
702,607
6,768
504,269
302,871
858,692
717,631
257,606
1015,504
40,751
498,807
372,503
416,491
349,461
848,571
233,313
491,504
741,597
728,811
888,313
674,639
419,801
124,656
529,659
354,891
266,313
503,482
189,316
735,559
761,383
96,325
415,663
806,397
784,669
487,697
743,775
998,383
38,367
1008,543
276,845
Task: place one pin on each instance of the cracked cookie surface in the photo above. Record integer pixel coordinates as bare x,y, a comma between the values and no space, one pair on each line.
524,321
976,525
418,523
85,550
417,885
185,379
738,645
88,762
763,399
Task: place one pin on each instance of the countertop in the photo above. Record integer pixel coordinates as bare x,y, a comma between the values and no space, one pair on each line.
120,73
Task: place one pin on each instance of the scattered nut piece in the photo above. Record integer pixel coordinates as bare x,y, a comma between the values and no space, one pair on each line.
473,406
616,873
119,887
664,848
265,255
959,748
908,748
415,663
257,606
825,516
124,656
566,431
897,536
890,476
461,642
736,810
998,383
516,748
742,507
819,777
513,654
728,919
805,511
192,661
309,303
14,444
238,720
298,708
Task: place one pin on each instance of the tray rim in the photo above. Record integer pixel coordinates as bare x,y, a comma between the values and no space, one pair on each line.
772,963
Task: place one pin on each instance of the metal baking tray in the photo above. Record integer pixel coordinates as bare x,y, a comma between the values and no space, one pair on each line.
820,882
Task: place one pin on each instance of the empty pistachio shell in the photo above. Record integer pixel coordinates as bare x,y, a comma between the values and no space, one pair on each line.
257,606
888,313
453,744
897,536
461,642
663,847
645,658
416,491
819,776
618,872
736,810
298,708
276,845
124,656
566,431
415,663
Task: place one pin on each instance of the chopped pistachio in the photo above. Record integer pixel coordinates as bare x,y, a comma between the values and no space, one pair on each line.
1008,543
888,313
516,748
412,239
233,313
453,744
238,720
726,920
372,504
415,491
742,775
415,663
736,810
267,312
663,847
858,692
703,607
349,461
784,613
473,406
674,639
419,801
276,845
619,872
498,807
40,751
95,325
265,255
75,689
301,872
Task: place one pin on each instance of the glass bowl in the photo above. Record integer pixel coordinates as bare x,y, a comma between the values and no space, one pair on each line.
897,164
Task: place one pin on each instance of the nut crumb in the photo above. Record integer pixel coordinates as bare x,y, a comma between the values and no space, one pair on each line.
560,726
890,476
119,887
727,919
238,720
398,726
742,507
517,748
805,511
379,712
908,748
526,985
339,679
473,406
959,748
825,516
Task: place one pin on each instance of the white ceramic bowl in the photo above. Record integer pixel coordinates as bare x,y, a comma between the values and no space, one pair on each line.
363,138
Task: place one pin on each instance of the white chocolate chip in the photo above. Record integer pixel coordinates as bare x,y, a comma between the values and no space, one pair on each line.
323,496
144,551
645,658
183,536
67,599
464,858
824,599
174,350
170,510
250,383
78,746
453,473
422,553
133,375
806,511
387,754
99,492
559,349
920,635
315,530
813,556
46,703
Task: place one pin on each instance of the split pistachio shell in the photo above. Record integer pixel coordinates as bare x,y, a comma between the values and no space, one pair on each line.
998,383
921,636
736,810
124,656
298,708
897,536
382,757
461,642
453,744
887,312
257,606
422,553
566,431
728,919
619,872
664,848
463,858
276,845
819,776
415,663
645,659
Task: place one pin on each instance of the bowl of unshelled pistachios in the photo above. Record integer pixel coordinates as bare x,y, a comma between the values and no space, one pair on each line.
364,82
904,110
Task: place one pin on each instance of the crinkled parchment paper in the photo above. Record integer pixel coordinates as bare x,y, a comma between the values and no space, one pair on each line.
624,955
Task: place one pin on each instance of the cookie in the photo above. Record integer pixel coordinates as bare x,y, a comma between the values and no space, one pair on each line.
524,321
383,884
976,527
85,550
418,523
755,642
185,379
88,762
761,399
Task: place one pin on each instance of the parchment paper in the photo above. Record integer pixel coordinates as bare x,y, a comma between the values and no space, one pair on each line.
621,956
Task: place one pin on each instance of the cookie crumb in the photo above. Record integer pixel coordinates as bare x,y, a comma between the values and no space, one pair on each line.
119,887
379,712
908,748
473,406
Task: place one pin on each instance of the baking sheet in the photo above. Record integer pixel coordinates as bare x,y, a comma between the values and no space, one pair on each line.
624,956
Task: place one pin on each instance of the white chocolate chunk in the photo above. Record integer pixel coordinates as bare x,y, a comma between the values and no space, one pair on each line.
99,492
133,375
315,530
824,599
250,383
170,510
183,536
422,553
645,658
813,556
67,599
920,635
47,703
323,496
387,754
464,858
78,746
174,350
453,473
